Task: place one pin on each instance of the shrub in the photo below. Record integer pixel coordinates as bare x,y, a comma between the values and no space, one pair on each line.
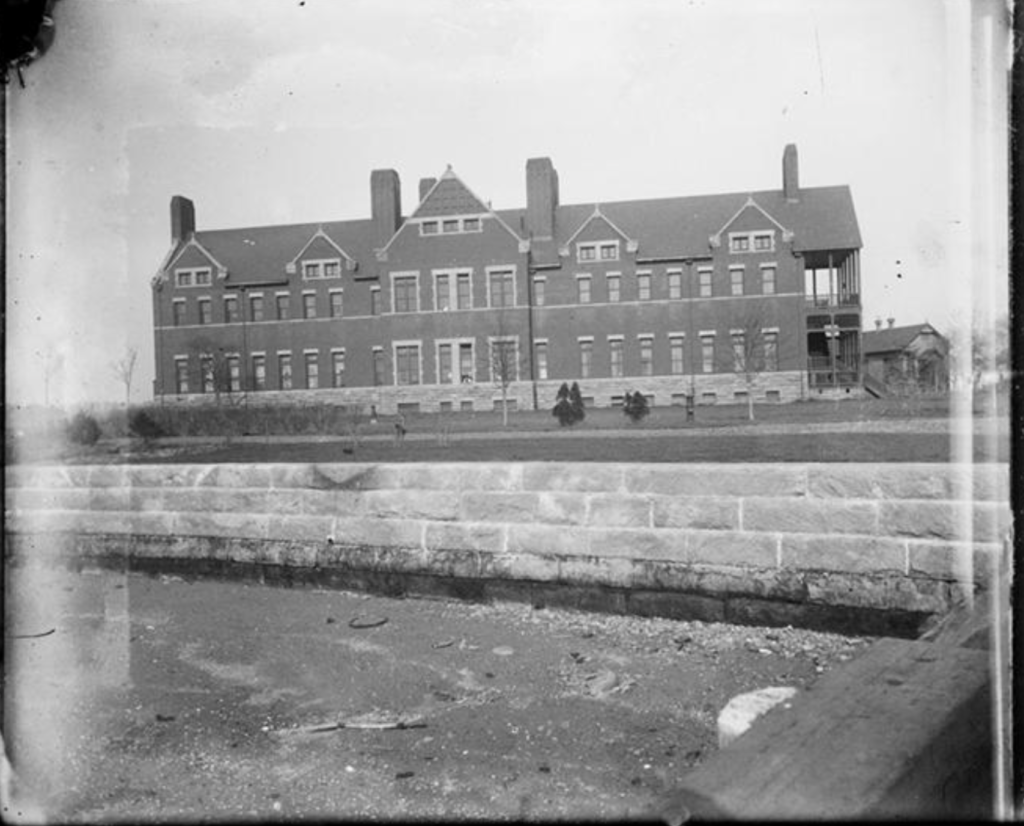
568,407
576,400
84,429
141,424
635,406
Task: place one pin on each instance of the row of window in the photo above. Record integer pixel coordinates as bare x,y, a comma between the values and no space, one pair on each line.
761,241
312,270
450,226
453,290
457,363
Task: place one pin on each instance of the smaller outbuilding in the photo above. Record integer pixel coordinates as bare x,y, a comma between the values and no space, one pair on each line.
909,359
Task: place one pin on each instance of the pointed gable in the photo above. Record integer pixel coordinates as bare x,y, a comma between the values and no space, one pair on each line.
597,227
450,196
750,216
320,246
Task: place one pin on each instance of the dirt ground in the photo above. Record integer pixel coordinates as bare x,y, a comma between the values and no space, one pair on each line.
156,699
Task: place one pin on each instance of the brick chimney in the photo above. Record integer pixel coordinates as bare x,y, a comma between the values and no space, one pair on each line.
790,173
183,218
878,324
426,184
891,321
541,197
386,204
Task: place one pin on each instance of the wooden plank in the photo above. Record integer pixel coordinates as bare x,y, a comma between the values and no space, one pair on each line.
890,734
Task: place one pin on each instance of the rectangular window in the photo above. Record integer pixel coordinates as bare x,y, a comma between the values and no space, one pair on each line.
338,368
504,360
205,311
739,353
609,252
444,364
256,307
586,252
259,372
764,242
442,292
309,305
283,306
586,358
643,286
332,269
312,370
538,291
230,309
178,308
451,225
234,374
736,281
466,362
540,349
675,285
203,278
181,375
374,300
739,243
768,280
284,370
193,278
311,270
771,351
614,288
677,362
583,289
378,367
405,298
183,278
707,354
407,364
206,374
337,303
471,225
502,287
647,357
428,228
463,291
615,357
705,283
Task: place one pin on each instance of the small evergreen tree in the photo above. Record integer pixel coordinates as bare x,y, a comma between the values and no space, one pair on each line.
84,429
576,402
141,424
563,406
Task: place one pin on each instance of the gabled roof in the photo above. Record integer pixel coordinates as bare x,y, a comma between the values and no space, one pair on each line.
893,339
597,215
319,234
449,196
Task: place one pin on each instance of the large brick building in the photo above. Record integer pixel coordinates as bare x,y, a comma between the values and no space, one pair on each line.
457,304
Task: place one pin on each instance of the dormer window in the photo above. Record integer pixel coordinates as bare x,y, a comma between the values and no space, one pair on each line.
752,241
451,225
193,277
428,228
598,251
327,268
470,224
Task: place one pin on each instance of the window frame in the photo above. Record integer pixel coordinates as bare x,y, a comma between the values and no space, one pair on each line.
309,303
616,278
410,344
320,265
283,300
674,280
645,344
644,287
737,286
706,282
188,277
337,357
311,369
580,278
405,278
510,272
616,347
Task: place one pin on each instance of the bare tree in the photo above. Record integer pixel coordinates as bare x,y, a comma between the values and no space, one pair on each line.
504,362
753,350
124,369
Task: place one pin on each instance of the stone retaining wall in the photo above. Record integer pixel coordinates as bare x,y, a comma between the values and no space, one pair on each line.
793,543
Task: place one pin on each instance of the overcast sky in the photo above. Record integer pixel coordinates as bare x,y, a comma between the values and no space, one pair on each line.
276,111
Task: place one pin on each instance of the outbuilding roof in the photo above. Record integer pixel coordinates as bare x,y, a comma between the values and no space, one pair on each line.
893,339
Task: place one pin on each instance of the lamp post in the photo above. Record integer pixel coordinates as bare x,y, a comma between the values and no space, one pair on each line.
832,334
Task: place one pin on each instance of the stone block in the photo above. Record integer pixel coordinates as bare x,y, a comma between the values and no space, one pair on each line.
493,506
561,508
143,498
883,593
213,499
616,572
960,561
220,523
717,480
450,562
164,476
107,476
330,476
302,527
792,515
356,557
674,605
639,543
234,475
109,499
469,536
547,539
708,512
151,523
619,511
385,533
47,498
410,504
743,710
860,554
454,476
941,520
877,481
533,568
297,554
315,502
759,550
572,476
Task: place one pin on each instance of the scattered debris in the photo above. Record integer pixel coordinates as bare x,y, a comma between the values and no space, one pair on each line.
404,775
444,643
372,722
331,620
366,622
165,718
503,651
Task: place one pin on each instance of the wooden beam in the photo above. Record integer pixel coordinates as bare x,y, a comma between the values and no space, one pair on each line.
902,731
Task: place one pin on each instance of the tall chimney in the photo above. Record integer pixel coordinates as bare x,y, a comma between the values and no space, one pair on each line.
878,324
386,203
790,173
541,197
426,184
891,321
183,218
